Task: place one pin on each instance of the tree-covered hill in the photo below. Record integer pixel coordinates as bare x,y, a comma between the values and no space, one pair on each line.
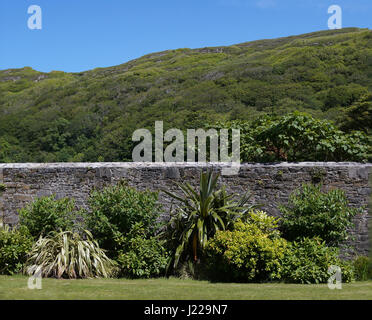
90,116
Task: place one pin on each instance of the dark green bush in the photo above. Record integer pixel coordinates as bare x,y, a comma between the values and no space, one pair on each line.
141,257
313,213
47,214
14,246
308,260
297,137
361,267
251,252
116,209
358,116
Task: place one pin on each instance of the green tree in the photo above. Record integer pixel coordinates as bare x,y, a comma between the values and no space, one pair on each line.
358,116
298,137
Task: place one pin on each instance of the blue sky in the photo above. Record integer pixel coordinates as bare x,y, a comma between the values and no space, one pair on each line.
80,35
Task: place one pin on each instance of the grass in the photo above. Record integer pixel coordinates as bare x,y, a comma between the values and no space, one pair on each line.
15,288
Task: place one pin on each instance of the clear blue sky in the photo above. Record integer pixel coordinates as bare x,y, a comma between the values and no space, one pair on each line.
79,35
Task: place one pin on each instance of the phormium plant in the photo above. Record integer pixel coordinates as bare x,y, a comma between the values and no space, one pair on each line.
66,254
200,214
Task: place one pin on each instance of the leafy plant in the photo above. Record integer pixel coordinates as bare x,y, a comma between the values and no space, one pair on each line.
66,254
308,260
141,257
298,136
313,213
361,267
258,219
47,214
14,246
358,116
251,252
116,209
200,215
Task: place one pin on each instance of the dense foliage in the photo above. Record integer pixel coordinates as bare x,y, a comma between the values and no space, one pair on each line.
47,214
116,209
307,261
66,254
211,233
255,251
199,214
14,246
298,137
251,252
358,116
125,222
313,213
141,256
91,116
361,268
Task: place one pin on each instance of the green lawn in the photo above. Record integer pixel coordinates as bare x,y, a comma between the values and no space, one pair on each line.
175,289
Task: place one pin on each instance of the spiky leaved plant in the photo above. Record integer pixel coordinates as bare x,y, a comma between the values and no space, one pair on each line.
66,254
201,213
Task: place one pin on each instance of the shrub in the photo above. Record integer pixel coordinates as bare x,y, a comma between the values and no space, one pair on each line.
200,214
313,213
251,252
361,268
47,214
265,223
141,257
116,209
308,260
14,245
297,137
66,255
358,116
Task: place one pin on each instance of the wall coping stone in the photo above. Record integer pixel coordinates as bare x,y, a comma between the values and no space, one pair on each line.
133,165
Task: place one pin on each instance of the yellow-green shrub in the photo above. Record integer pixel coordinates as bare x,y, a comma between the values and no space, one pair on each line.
251,252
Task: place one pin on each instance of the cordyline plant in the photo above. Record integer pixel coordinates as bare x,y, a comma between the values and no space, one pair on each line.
65,254
201,214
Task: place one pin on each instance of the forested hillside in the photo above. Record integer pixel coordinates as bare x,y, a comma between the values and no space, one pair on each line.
90,116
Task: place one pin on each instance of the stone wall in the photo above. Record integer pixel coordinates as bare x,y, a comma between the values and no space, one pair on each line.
270,184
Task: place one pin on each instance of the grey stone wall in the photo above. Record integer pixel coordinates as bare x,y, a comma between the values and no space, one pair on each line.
270,184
